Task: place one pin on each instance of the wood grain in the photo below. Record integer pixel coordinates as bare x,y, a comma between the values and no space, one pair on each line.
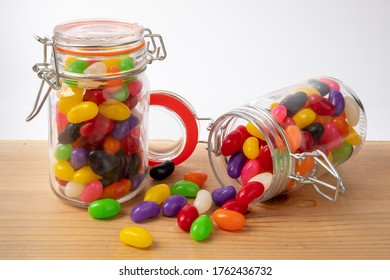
35,224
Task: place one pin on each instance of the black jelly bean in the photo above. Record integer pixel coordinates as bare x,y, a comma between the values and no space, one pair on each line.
316,130
162,170
320,86
294,102
102,162
69,134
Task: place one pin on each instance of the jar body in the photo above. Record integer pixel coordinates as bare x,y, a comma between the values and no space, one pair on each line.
98,118
289,137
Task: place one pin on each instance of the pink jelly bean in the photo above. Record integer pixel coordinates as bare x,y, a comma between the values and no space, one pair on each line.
251,168
265,159
280,113
92,192
332,84
320,105
232,143
331,137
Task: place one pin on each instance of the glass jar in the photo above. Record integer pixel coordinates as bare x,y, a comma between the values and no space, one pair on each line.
98,113
289,138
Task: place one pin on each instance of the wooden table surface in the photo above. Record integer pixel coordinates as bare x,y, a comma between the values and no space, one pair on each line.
35,224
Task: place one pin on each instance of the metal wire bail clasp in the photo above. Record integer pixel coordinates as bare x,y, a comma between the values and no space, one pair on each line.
321,160
155,51
47,74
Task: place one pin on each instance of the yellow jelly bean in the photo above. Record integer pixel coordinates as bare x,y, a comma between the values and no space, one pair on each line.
136,236
69,60
115,110
252,129
82,112
111,62
304,117
273,105
85,175
63,170
353,137
309,91
68,98
251,147
158,193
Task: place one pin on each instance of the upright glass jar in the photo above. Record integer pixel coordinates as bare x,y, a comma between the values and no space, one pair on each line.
289,138
98,114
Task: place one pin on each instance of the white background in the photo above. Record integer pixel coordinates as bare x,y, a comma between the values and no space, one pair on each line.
221,54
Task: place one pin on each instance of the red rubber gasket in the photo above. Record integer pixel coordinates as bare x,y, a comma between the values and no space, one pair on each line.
187,116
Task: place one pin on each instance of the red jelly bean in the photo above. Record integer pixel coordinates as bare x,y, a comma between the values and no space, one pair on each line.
97,126
265,159
134,87
234,205
307,142
331,137
244,131
232,143
330,83
187,215
250,192
96,95
320,105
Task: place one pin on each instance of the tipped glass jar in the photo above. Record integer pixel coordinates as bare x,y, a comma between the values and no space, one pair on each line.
289,138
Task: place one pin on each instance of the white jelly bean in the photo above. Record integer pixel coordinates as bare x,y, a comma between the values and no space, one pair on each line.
351,111
73,189
203,201
96,68
265,178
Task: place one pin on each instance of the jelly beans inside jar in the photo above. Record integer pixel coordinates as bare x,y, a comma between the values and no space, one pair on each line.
289,138
99,110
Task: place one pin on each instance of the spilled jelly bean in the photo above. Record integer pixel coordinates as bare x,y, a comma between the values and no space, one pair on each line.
203,201
158,193
201,228
145,210
173,204
162,171
198,177
82,112
235,164
185,188
229,219
250,192
265,178
136,236
223,194
92,191
104,208
235,205
186,216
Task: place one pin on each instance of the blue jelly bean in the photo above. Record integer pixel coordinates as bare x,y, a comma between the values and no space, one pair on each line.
123,128
223,194
145,210
337,99
235,164
173,204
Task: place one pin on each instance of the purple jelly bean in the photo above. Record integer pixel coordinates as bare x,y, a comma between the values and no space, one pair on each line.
223,194
137,180
235,164
79,158
173,204
145,210
123,128
337,99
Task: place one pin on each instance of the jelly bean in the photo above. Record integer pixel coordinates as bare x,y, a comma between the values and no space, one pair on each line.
78,66
254,131
95,95
123,128
342,126
69,60
173,204
134,87
234,205
63,170
331,136
158,193
82,112
337,99
332,84
265,178
111,62
280,113
121,94
203,201
351,110
320,105
73,189
79,158
232,143
201,228
186,216
294,137
353,137
63,151
131,144
70,134
294,102
97,68
228,219
93,142
343,153
304,117
244,131
309,91
144,211
85,175
198,177
117,190
102,162
126,64
304,166
320,86
250,192
251,168
235,164
104,208
307,142
114,110
61,120
69,97
223,194
97,126
250,147
111,144
137,180
287,122
185,188
92,191
136,236
265,159
131,102
162,170
316,130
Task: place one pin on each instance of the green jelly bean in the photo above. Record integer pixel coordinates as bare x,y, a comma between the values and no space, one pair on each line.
201,228
185,188
63,151
341,154
104,208
121,94
78,66
126,64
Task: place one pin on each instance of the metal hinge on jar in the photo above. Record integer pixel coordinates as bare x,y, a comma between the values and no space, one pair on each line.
155,51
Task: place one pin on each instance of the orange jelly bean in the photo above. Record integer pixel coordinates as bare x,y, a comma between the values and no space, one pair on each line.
111,144
342,126
117,189
198,177
229,219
